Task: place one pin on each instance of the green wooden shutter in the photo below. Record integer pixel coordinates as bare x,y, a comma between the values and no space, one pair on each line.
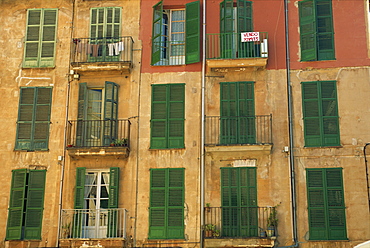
245,107
176,115
80,187
82,114
35,204
40,38
307,22
157,32
192,39
239,202
330,118
227,39
16,205
326,209
325,30
159,117
311,114
157,210
245,24
113,201
110,112
33,119
175,225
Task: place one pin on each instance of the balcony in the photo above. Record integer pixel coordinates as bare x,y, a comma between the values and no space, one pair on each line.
236,50
236,226
106,53
86,138
93,223
238,133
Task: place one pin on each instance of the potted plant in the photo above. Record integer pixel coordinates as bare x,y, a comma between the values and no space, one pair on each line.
119,142
208,230
208,207
272,221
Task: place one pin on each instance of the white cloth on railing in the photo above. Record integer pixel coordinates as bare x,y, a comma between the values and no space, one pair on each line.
118,47
110,49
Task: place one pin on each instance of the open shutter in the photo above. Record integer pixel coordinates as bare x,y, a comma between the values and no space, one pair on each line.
158,211
311,114
48,38
336,207
80,187
159,117
330,118
35,204
42,119
113,201
16,205
175,203
325,30
307,22
192,39
25,118
110,112
227,39
82,114
157,32
176,109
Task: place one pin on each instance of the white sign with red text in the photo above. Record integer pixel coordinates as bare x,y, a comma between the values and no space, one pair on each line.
250,36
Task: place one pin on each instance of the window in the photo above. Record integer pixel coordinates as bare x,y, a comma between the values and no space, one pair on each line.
326,209
316,30
237,113
236,18
320,114
105,32
33,118
40,38
167,122
97,191
26,204
166,212
176,35
239,202
97,115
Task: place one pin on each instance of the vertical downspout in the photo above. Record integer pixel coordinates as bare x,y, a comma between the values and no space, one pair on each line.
290,121
367,175
202,158
65,133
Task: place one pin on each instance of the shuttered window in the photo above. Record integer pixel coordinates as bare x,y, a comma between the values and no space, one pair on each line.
326,209
239,202
167,120
26,205
316,30
40,38
320,114
33,118
166,211
176,35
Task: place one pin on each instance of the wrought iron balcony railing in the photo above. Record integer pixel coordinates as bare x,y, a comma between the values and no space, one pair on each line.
98,133
93,223
102,49
229,130
240,222
232,46
168,52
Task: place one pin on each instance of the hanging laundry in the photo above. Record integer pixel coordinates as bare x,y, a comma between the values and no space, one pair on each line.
95,49
110,49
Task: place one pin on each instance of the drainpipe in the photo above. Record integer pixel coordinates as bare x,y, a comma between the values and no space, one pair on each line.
367,175
65,135
202,155
291,135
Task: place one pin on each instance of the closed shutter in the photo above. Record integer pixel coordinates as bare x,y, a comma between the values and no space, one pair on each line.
307,22
245,24
330,118
16,205
325,30
40,38
192,39
326,209
311,114
166,204
110,112
157,32
33,119
227,39
35,204
159,117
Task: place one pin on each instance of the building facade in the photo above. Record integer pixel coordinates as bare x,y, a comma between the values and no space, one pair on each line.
227,123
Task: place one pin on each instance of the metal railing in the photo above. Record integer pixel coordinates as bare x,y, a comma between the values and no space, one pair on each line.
98,133
168,53
102,49
240,222
93,223
230,45
228,130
